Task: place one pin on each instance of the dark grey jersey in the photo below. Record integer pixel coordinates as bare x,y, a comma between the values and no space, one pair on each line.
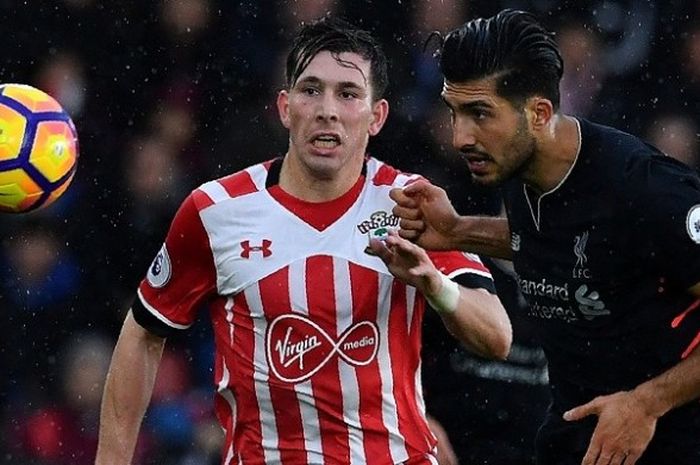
604,261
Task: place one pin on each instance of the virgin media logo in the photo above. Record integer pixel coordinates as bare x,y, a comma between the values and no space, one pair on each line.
297,347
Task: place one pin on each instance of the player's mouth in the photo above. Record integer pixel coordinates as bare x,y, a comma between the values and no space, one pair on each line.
478,162
325,141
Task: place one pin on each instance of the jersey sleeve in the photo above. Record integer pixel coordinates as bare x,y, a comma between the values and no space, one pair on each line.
665,196
464,268
181,277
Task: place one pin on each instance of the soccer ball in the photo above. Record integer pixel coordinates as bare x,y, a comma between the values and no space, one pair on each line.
38,149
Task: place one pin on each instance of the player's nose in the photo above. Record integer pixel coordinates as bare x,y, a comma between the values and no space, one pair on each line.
463,134
327,108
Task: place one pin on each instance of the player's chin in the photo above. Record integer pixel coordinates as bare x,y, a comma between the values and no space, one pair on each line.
486,179
324,167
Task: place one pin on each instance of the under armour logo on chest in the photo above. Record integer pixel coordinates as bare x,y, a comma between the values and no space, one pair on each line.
264,248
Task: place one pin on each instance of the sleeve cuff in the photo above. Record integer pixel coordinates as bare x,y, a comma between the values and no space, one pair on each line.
475,281
147,320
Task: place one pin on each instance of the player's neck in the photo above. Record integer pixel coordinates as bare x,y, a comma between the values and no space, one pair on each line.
318,185
555,154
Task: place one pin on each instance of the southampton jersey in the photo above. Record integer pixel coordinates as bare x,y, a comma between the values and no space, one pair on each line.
605,260
317,345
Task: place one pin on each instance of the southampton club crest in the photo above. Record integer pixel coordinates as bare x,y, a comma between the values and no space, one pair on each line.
377,233
377,227
378,220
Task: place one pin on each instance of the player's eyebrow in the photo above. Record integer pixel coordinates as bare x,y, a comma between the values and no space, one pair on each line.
309,80
341,85
350,85
468,106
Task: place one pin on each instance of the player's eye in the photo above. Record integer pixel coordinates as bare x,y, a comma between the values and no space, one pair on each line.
347,95
310,91
480,114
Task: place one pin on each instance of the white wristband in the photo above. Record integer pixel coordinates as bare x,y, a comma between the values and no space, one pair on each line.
447,299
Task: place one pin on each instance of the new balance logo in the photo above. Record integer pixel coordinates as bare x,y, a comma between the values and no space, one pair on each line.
515,242
264,249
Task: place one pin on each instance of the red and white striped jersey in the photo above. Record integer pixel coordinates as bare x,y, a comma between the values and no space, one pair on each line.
317,345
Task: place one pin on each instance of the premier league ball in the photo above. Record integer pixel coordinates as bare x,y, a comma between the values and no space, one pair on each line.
38,149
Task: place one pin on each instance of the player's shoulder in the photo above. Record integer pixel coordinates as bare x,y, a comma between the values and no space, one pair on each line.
613,146
383,174
659,167
646,168
628,160
236,185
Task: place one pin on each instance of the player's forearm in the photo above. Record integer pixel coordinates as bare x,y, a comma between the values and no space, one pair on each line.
480,323
483,235
673,388
127,393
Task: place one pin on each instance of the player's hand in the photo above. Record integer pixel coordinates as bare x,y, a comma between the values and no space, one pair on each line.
623,432
426,215
445,452
408,262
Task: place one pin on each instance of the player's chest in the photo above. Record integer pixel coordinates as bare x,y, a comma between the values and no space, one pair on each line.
260,239
574,263
573,236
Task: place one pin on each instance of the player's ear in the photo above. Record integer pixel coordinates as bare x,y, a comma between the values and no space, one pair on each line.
539,112
283,107
380,111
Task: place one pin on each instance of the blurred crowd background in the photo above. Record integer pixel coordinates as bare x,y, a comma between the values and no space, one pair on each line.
169,93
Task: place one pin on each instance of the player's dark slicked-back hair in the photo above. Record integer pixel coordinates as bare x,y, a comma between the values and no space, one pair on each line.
337,36
511,46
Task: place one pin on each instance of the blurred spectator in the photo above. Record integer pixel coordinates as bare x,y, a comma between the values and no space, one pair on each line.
154,184
691,55
63,431
298,12
583,71
40,283
180,416
677,135
63,78
626,27
174,122
40,272
420,79
688,92
185,19
206,445
241,145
